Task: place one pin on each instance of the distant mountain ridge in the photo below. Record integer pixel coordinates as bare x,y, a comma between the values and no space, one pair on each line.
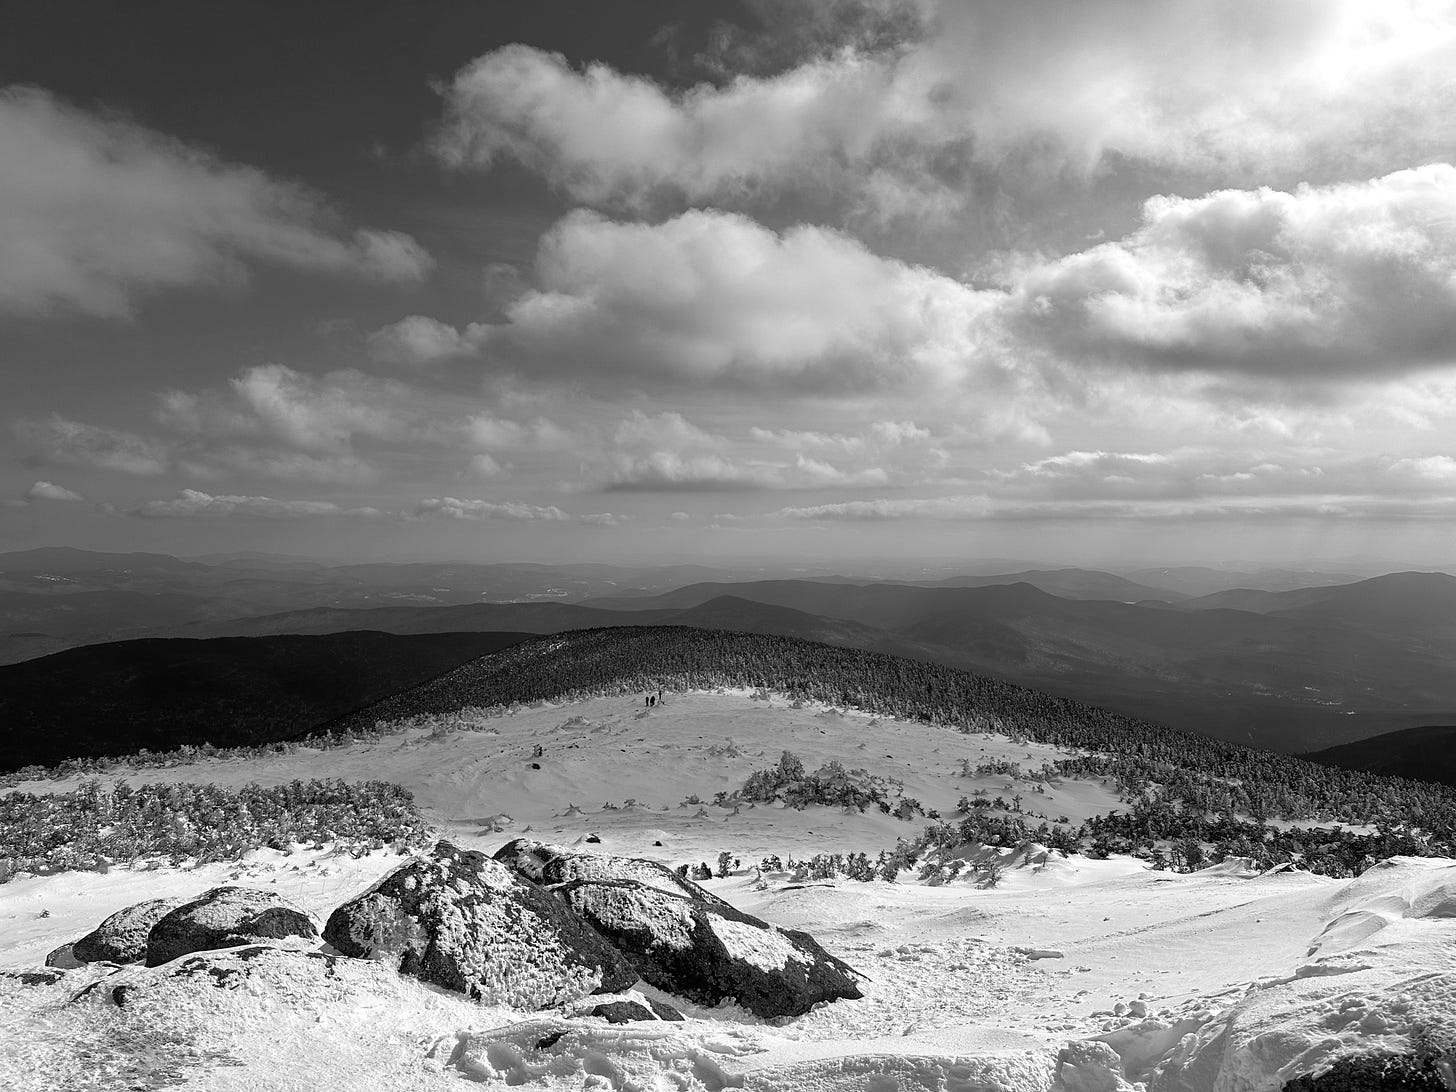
1424,753
1290,669
123,697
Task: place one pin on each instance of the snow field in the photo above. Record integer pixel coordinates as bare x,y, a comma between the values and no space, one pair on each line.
1221,981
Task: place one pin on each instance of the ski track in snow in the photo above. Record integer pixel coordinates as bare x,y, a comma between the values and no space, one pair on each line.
966,989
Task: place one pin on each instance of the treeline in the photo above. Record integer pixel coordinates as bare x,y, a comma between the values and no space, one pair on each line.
1181,784
97,825
1182,789
1192,771
187,754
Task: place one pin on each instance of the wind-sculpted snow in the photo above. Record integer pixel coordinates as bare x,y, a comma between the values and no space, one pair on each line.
461,920
1070,968
712,954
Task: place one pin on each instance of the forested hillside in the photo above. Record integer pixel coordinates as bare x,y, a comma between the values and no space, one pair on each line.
164,694
1179,785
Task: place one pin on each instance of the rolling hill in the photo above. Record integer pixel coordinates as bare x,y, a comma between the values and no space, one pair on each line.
162,694
1425,753
1291,679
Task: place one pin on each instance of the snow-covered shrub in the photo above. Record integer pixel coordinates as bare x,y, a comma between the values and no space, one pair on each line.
96,825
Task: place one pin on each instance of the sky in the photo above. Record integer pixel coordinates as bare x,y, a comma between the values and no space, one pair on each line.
1113,282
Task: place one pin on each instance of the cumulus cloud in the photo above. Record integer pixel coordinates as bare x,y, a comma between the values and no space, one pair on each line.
59,441
714,298
668,471
194,504
50,491
301,411
458,509
419,340
97,211
1324,280
902,122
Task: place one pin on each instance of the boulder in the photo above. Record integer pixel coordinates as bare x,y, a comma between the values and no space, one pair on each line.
549,864
461,920
711,953
122,938
627,1008
63,958
622,1012
226,917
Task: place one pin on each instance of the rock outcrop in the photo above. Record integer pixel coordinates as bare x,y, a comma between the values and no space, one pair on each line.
627,1008
226,917
122,938
63,958
710,953
461,920
549,864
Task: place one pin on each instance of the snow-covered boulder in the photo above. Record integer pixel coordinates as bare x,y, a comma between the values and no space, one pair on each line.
221,968
711,953
459,919
1090,1066
226,917
122,938
549,864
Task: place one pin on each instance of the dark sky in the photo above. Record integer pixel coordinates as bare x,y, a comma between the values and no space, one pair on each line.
1149,279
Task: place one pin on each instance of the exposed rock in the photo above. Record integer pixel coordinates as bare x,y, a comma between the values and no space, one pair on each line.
461,920
664,1010
63,958
622,1012
122,938
549,864
627,1008
226,917
48,977
711,953
1375,1072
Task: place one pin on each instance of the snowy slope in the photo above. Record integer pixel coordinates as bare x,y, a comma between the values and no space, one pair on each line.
1221,980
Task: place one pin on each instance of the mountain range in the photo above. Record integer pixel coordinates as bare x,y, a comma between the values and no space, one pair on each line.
1285,668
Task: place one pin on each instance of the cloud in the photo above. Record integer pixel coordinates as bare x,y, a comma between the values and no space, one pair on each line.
484,468
97,212
59,441
667,471
49,491
275,403
211,463
1324,281
910,121
457,509
419,340
500,434
194,504
956,507
713,298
